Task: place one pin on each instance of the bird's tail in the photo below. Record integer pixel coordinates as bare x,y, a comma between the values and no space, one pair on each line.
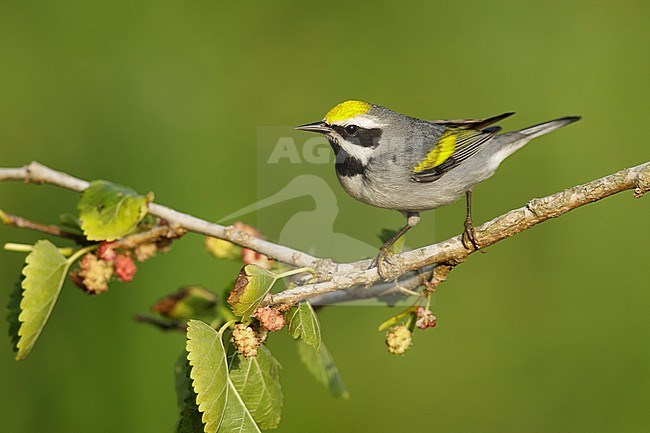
506,144
546,127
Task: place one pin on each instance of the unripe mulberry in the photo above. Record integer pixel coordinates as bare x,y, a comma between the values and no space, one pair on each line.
93,274
145,251
398,339
245,340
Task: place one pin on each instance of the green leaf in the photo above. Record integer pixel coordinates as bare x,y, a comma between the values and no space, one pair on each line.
222,249
13,311
223,408
188,302
257,381
182,381
209,373
321,365
70,222
44,275
386,234
108,211
303,324
398,245
149,221
190,417
237,418
252,285
396,318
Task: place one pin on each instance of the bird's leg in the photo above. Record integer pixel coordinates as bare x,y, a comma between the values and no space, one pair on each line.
469,235
383,258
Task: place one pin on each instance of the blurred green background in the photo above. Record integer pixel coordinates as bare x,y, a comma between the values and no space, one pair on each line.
547,332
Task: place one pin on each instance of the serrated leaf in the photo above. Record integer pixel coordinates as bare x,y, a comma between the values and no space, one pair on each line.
190,421
209,373
108,211
252,285
303,324
321,365
190,417
237,418
44,275
13,311
182,382
257,381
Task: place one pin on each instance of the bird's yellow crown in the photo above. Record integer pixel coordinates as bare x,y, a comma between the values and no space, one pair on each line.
346,110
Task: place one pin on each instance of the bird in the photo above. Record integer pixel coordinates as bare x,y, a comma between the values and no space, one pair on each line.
392,161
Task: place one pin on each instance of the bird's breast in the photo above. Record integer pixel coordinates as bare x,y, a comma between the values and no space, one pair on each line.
391,187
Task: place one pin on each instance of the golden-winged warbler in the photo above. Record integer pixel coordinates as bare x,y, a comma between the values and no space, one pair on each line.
393,161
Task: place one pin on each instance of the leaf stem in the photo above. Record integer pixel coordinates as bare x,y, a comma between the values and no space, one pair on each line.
73,258
26,248
225,326
294,272
19,248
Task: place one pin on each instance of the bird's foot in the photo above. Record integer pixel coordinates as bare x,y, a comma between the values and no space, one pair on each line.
383,262
469,236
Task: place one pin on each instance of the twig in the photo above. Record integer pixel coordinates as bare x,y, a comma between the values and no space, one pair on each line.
391,291
38,173
164,325
152,235
24,223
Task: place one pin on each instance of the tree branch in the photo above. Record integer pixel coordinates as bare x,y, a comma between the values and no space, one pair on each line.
154,234
24,223
39,174
333,276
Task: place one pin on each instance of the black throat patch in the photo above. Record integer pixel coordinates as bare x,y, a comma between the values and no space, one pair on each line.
349,166
346,165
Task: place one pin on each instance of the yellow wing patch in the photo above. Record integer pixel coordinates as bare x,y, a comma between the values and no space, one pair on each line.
443,149
346,110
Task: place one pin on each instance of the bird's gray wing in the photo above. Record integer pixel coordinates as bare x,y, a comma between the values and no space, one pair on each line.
460,140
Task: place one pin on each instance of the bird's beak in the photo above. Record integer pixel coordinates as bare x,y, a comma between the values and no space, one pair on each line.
320,127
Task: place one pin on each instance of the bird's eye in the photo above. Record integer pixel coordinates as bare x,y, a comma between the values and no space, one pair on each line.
351,130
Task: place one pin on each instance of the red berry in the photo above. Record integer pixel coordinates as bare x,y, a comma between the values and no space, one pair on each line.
124,267
106,252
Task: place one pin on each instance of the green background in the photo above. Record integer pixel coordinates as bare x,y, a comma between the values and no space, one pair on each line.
547,332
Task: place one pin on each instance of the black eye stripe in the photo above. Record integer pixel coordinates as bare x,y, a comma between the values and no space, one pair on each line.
364,137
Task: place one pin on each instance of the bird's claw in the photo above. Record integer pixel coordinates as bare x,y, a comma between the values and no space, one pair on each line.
469,236
382,262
